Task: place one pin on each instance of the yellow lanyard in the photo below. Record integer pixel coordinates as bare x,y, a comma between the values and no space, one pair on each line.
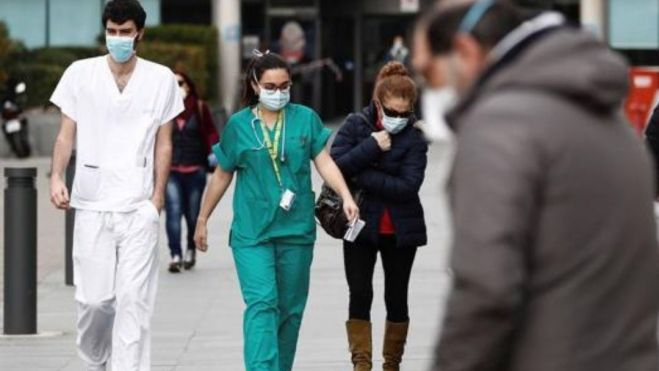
273,145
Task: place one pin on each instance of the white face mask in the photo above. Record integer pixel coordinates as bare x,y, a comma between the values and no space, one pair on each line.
435,104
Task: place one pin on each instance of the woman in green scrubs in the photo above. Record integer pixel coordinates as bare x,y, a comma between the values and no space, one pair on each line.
269,145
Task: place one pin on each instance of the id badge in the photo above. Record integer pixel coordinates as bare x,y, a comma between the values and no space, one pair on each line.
287,200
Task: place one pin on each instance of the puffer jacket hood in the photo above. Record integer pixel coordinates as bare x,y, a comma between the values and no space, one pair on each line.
570,63
566,62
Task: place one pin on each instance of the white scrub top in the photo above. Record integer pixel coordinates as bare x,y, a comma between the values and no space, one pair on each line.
116,131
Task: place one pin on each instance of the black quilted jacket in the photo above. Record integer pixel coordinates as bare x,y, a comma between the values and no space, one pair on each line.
389,179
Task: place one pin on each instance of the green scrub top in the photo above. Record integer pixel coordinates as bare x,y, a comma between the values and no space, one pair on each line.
258,219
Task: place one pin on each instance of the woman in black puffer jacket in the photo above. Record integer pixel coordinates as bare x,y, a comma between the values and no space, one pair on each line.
385,155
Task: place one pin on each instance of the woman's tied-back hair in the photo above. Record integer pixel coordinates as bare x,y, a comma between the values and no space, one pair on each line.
395,81
260,63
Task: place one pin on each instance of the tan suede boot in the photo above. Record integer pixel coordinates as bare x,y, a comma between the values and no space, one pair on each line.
361,346
395,336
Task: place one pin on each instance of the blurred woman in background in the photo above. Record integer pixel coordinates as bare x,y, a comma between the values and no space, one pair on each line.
193,135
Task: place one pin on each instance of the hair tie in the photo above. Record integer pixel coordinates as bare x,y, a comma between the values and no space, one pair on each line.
258,54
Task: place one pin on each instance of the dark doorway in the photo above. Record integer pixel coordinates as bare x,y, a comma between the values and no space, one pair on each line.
186,11
338,44
378,35
303,79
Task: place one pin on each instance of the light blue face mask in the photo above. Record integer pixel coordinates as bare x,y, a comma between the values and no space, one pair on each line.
394,125
274,100
121,48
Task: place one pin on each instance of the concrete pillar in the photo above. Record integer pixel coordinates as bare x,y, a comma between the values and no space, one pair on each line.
226,18
593,17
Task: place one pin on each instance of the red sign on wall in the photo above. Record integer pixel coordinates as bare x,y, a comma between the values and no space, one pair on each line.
643,96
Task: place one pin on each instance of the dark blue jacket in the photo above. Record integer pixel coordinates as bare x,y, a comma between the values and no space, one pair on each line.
389,179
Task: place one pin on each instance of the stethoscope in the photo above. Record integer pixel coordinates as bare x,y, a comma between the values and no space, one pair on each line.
261,143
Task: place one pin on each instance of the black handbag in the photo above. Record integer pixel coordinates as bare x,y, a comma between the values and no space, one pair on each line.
329,206
329,211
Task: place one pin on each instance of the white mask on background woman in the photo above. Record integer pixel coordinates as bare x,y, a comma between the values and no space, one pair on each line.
435,104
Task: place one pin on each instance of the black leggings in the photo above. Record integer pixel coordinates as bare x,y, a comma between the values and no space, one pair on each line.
359,261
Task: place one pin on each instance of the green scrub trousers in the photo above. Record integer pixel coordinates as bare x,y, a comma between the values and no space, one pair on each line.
272,248
274,281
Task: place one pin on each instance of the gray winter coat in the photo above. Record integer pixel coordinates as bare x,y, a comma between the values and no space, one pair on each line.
555,262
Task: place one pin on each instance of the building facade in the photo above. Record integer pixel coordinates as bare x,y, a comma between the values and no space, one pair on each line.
336,46
46,23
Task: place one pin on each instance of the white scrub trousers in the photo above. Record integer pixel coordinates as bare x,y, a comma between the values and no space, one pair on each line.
115,262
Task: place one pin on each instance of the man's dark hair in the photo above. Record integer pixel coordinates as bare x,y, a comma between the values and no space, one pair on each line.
120,11
499,20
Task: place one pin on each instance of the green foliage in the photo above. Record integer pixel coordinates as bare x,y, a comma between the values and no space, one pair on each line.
190,58
204,37
5,42
62,56
41,80
42,68
9,50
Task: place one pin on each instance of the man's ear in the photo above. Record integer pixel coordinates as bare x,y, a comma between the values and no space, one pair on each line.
467,48
437,71
140,34
471,54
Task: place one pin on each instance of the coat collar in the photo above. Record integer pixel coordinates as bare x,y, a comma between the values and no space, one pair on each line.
504,54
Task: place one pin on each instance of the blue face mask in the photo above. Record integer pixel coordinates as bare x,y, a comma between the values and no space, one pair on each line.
121,48
274,100
394,125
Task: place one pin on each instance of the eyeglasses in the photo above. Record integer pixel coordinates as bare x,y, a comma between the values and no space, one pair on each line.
393,113
271,88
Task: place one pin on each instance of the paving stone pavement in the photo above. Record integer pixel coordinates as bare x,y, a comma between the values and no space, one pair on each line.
198,320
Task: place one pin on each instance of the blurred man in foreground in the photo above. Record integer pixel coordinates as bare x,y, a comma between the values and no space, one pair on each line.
652,140
555,259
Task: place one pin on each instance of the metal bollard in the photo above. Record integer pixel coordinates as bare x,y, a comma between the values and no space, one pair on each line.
20,307
69,223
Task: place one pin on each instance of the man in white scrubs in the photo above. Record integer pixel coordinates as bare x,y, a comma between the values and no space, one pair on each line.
118,109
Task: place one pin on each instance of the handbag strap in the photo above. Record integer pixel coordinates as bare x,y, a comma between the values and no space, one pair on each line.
365,119
361,115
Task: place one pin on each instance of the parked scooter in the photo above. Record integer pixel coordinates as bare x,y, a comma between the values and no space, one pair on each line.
14,122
